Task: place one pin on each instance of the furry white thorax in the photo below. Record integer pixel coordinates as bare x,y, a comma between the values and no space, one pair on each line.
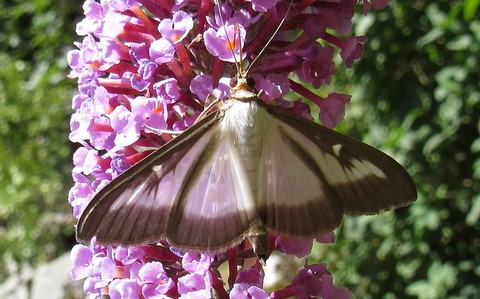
247,122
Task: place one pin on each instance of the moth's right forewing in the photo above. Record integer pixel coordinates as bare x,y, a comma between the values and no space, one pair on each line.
361,178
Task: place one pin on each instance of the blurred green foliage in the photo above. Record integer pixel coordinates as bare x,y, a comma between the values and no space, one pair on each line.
35,218
417,97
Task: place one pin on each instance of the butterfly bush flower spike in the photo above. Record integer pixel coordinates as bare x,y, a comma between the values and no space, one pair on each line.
146,69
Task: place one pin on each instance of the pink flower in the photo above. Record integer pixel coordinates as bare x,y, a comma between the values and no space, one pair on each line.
225,42
333,108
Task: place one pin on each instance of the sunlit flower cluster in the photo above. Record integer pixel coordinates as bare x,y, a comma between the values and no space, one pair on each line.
145,69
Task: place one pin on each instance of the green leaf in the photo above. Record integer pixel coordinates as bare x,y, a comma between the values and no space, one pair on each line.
470,8
474,213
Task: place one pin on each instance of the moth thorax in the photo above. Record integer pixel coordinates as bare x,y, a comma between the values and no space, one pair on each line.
243,95
244,119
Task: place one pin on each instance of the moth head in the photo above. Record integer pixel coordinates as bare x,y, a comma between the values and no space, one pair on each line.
242,89
242,82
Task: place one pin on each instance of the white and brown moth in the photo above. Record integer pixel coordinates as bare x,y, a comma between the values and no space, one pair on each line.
242,171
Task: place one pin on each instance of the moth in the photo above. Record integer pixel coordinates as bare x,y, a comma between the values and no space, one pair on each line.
242,171
247,169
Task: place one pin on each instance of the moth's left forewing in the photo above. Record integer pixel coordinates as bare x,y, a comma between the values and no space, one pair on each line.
192,192
363,179
135,207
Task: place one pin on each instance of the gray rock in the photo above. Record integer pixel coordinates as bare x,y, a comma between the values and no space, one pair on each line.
50,281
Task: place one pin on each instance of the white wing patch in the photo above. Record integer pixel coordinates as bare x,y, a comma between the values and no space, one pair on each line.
337,173
286,176
222,187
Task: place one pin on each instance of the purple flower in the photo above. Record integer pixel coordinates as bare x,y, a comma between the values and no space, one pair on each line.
94,14
193,282
155,280
143,78
202,86
316,281
85,160
167,90
238,16
326,238
243,290
317,66
162,51
125,125
81,257
129,255
353,49
296,247
332,109
79,193
249,284
147,68
251,276
350,49
90,263
200,294
150,113
124,289
185,122
225,42
376,4
263,5
119,163
177,28
196,262
274,86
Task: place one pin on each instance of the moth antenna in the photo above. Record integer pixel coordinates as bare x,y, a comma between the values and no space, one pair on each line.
240,63
270,39
237,63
